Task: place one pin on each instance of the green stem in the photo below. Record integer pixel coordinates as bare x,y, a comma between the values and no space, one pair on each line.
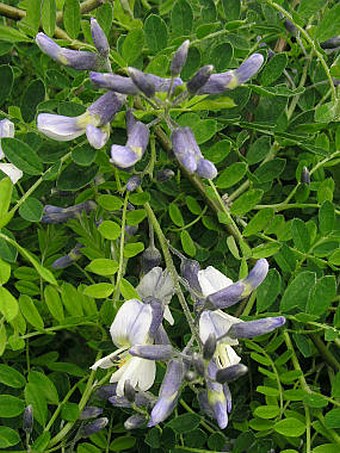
121,251
324,352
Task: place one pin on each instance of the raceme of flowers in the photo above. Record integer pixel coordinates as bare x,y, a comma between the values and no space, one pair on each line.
160,93
140,336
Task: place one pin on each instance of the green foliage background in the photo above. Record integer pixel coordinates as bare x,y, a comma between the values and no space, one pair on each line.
260,136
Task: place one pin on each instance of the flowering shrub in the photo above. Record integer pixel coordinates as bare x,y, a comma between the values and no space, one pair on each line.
168,237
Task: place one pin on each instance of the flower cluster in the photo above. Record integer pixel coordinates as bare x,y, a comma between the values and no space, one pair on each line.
161,93
211,364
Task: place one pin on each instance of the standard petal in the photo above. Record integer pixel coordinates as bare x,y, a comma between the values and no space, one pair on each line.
212,280
6,130
124,156
140,372
96,136
149,282
131,324
12,172
59,127
218,323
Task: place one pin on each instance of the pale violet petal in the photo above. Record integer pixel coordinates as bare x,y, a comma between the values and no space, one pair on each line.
6,130
149,282
108,361
233,358
218,323
59,127
212,280
12,172
140,372
96,136
131,324
124,156
168,316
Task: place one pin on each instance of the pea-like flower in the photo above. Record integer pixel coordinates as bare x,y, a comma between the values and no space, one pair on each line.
130,327
95,122
188,153
7,131
138,139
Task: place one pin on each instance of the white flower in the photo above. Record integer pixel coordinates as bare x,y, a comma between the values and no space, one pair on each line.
130,327
7,130
159,285
217,322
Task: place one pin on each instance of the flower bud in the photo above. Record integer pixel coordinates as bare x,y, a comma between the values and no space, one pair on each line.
27,423
141,81
153,352
206,169
331,43
256,276
256,328
165,175
56,214
209,347
90,412
134,422
105,391
64,261
99,38
199,79
305,176
228,296
94,427
198,364
115,82
231,373
150,258
179,58
133,183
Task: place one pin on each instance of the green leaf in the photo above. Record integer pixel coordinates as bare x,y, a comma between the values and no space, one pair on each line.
220,56
71,18
6,189
300,235
6,82
268,291
70,412
8,437
135,217
258,150
270,170
35,397
176,215
273,69
54,303
330,24
184,423
267,412
11,377
290,427
72,300
133,45
30,312
48,16
109,230
33,95
188,244
308,8
139,198
10,34
22,156
297,292
259,222
246,202
181,18
84,155
76,177
47,387
8,304
32,19
193,205
5,272
218,151
99,290
123,443
156,33
133,249
103,266
31,210
110,202
11,406
231,9
326,448
3,338
326,218
127,290
332,419
322,295
231,175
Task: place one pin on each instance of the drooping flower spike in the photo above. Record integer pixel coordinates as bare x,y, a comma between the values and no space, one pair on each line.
76,59
95,122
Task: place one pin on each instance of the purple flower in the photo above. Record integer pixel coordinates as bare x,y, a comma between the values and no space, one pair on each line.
187,152
76,59
67,260
95,122
199,79
128,155
153,352
99,38
218,83
94,427
256,328
56,214
179,58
